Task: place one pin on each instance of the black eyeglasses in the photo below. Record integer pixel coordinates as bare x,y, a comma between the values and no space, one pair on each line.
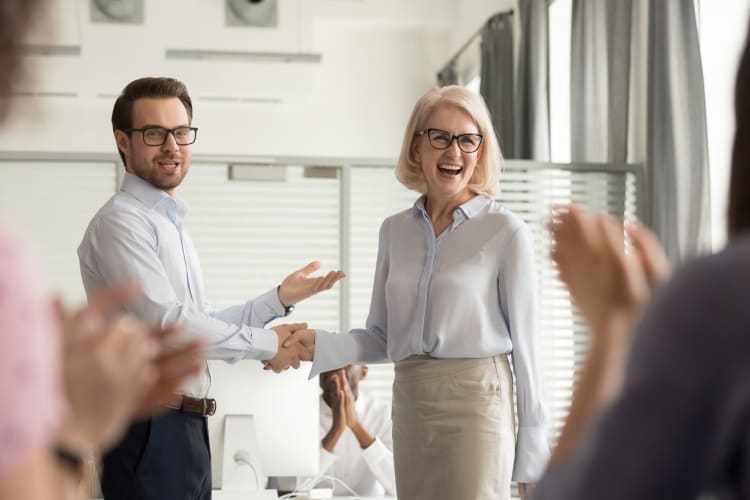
440,139
157,136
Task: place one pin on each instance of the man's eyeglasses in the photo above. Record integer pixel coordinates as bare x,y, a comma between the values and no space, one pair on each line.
157,136
440,139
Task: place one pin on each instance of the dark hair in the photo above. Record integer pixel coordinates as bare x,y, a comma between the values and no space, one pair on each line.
15,19
739,181
122,113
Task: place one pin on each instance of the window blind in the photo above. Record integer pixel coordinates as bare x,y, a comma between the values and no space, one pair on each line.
51,203
250,234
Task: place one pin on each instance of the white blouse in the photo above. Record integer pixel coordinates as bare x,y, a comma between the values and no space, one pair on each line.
471,292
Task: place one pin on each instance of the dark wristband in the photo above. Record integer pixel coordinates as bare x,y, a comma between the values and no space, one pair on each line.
287,309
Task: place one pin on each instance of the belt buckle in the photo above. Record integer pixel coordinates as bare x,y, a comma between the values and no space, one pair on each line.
209,407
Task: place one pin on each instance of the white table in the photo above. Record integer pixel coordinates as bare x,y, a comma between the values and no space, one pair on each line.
270,495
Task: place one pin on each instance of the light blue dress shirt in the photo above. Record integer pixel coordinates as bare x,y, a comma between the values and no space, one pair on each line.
139,235
470,292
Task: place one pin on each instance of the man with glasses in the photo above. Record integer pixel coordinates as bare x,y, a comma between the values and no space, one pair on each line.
139,234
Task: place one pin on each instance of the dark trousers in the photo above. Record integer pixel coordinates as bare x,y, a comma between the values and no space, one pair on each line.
163,458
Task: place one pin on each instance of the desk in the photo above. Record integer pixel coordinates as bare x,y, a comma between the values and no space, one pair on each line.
237,495
245,495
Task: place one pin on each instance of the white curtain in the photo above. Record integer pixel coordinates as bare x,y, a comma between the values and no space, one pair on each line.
637,96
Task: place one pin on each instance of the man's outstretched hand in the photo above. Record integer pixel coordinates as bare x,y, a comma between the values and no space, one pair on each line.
300,285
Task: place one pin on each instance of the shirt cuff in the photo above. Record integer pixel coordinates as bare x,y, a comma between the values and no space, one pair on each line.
532,454
332,351
375,453
270,300
265,344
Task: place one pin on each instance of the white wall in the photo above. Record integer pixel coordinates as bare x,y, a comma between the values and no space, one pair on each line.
376,59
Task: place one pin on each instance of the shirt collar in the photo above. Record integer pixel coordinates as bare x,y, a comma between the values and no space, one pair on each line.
470,208
151,196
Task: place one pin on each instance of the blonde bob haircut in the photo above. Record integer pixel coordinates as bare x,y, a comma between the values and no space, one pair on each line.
487,172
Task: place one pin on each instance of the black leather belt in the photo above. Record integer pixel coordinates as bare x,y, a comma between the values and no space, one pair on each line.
201,406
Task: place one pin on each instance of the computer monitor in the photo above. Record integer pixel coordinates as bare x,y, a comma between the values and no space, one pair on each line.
285,414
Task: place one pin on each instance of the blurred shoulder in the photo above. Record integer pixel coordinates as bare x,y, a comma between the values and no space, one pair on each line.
721,274
705,297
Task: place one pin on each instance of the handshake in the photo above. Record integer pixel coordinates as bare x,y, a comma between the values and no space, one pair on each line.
296,343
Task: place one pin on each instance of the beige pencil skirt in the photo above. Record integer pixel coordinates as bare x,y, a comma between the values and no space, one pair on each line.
453,428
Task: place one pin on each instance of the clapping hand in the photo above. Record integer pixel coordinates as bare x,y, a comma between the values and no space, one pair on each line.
113,368
335,397
300,285
610,289
349,401
605,283
174,367
650,254
338,394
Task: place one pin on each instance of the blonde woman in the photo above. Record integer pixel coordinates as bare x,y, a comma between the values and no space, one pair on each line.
455,293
